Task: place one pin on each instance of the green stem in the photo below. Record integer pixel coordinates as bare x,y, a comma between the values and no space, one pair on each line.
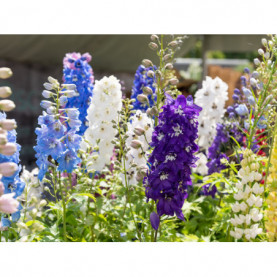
152,209
262,98
270,154
91,227
156,233
70,181
64,208
126,182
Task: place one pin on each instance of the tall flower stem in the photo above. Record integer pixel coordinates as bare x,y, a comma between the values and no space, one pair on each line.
260,110
270,153
64,207
126,182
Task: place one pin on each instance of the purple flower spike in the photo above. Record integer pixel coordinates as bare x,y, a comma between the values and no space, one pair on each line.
155,220
173,140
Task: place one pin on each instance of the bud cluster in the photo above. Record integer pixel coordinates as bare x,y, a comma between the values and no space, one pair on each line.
166,81
32,203
10,184
248,206
140,129
271,201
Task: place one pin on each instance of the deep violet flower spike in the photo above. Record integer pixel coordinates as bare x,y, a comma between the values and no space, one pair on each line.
215,152
77,71
173,140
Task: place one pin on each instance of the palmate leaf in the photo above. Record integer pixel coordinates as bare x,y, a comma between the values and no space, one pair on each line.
75,195
189,207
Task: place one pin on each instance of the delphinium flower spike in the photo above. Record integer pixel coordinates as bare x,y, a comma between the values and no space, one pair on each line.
144,84
140,129
104,108
11,186
57,139
173,143
77,71
211,98
271,201
248,206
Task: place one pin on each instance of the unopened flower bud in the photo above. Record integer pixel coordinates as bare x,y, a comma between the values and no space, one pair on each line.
52,80
169,66
46,189
8,169
8,204
8,149
147,90
152,111
261,52
69,86
3,139
6,105
46,104
42,203
34,212
139,131
264,42
266,55
153,46
173,81
5,92
70,93
142,98
47,94
5,72
150,74
253,82
8,124
167,57
257,61
173,44
51,110
147,63
2,131
48,86
154,38
139,176
143,169
255,74
158,74
136,144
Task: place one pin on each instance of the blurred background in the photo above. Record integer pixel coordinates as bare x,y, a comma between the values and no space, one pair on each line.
33,58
